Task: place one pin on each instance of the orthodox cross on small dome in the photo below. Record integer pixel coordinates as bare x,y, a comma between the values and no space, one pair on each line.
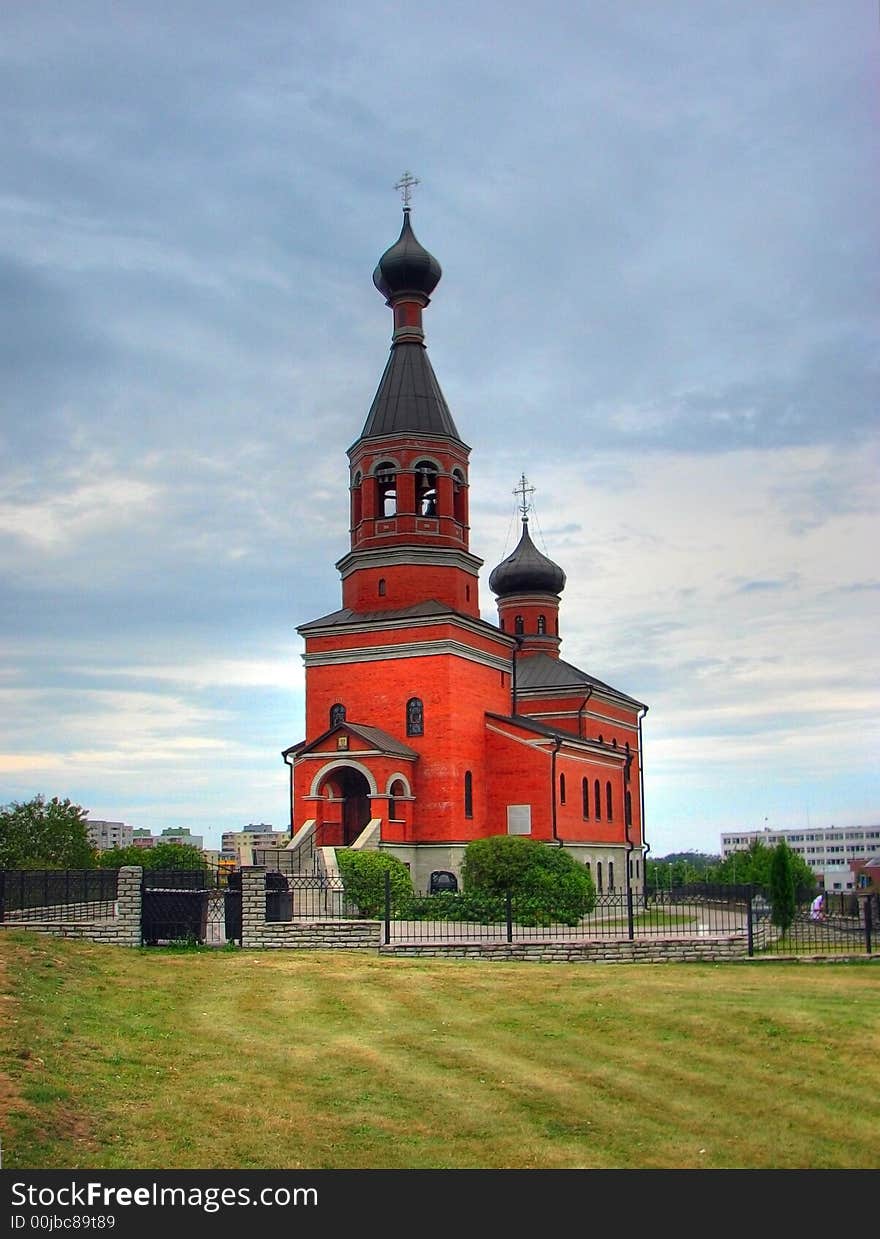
522,490
405,185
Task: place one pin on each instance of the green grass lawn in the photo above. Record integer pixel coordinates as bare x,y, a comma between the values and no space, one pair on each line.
115,1058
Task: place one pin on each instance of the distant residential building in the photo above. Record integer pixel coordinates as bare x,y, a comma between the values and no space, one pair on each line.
106,835
181,834
866,873
829,850
173,834
257,835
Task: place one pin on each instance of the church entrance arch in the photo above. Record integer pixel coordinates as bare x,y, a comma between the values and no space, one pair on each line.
355,792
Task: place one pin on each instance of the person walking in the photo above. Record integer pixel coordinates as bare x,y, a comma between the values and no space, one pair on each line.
817,907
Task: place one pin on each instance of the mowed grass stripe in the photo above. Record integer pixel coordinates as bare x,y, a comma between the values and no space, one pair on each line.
122,1059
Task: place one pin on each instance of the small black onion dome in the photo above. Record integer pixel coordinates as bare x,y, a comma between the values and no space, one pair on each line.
406,266
527,571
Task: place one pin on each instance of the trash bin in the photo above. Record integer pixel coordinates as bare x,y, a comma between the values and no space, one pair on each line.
442,880
279,898
174,916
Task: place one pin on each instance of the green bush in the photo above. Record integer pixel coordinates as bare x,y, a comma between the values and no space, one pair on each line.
363,876
484,909
546,883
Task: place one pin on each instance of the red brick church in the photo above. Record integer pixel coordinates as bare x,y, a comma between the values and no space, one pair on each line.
427,726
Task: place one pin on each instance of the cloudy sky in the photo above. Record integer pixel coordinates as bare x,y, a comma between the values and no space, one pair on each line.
658,227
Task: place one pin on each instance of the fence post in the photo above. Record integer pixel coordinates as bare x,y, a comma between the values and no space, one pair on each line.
2,896
629,912
868,924
508,905
387,907
750,922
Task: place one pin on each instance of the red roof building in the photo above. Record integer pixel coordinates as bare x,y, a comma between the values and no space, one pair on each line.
427,726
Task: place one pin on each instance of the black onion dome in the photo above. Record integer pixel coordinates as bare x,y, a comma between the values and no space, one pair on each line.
406,266
527,571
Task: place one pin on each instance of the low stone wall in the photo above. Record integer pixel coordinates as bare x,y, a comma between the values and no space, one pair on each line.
301,935
619,951
315,936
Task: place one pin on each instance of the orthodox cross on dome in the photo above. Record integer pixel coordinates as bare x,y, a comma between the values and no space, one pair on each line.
405,185
522,490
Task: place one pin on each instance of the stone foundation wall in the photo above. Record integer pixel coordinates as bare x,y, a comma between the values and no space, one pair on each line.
705,950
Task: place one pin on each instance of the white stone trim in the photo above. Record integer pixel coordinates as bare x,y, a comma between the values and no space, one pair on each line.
394,556
401,777
337,764
427,649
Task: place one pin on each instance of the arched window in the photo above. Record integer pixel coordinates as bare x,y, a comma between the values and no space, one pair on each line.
609,802
610,876
386,489
597,801
426,488
337,714
415,717
585,798
519,626
562,789
381,587
356,500
397,789
599,876
468,794
542,625
458,493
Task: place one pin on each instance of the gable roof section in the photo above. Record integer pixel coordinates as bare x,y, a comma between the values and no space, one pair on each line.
541,672
374,737
557,733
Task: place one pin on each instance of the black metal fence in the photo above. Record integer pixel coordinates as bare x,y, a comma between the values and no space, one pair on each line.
689,913
57,894
205,906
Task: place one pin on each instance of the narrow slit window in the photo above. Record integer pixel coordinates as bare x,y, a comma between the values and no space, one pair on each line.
415,717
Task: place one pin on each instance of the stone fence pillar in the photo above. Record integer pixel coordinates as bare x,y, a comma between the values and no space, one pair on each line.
128,906
253,905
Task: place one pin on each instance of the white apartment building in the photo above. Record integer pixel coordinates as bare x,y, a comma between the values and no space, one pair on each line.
828,850
174,834
256,836
106,835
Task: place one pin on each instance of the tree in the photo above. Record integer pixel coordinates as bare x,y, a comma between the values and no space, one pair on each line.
783,896
160,856
678,869
45,834
752,867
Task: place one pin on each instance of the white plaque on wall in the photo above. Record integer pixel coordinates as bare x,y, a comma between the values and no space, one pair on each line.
519,819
